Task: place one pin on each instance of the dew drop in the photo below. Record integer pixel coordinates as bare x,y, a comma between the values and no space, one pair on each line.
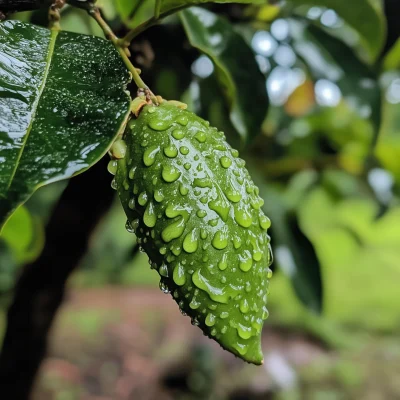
174,230
223,264
132,203
194,304
163,270
114,184
226,162
149,217
200,136
164,287
201,213
224,329
131,174
158,124
245,332
220,240
203,234
184,150
190,243
246,261
128,227
183,190
171,151
187,166
243,217
244,306
178,275
178,134
149,155
170,173
158,196
265,222
112,167
142,200
210,320
182,120
224,315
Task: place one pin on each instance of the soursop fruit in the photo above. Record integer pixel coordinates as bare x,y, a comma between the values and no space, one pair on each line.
197,214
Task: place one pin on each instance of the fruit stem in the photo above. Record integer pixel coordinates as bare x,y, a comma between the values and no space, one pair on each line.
54,14
94,12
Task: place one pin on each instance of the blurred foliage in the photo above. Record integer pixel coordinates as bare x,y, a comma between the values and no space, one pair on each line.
326,159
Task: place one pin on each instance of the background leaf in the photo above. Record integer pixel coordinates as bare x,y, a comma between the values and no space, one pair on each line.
332,62
362,15
63,99
134,12
241,81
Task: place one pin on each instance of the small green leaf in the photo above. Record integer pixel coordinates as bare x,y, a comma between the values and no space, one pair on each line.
240,78
24,234
366,18
62,102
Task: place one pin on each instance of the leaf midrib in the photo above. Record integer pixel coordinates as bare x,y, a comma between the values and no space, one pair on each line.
50,52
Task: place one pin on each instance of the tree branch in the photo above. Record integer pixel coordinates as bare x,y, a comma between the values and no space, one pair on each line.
41,287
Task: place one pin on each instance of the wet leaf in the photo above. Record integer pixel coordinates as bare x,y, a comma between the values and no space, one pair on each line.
242,83
62,102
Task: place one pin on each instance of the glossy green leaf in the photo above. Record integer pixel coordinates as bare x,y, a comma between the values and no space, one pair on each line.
294,253
241,81
362,15
331,60
392,58
62,102
137,11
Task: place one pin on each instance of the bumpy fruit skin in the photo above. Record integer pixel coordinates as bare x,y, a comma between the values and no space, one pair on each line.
197,214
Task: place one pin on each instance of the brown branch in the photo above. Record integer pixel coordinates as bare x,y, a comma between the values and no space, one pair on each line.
41,287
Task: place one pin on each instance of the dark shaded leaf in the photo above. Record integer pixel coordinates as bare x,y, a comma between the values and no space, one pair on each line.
237,71
367,19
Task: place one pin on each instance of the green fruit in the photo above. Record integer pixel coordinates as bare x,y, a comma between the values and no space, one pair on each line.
197,214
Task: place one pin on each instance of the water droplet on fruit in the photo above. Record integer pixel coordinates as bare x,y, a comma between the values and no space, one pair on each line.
220,240
178,275
149,155
223,264
163,270
131,174
149,217
158,195
246,261
226,162
244,306
243,217
112,167
132,203
178,134
200,136
190,243
210,320
184,150
164,287
174,230
171,151
158,124
170,173
244,332
265,222
143,197
201,213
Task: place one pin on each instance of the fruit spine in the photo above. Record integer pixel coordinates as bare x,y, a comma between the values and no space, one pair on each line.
197,214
